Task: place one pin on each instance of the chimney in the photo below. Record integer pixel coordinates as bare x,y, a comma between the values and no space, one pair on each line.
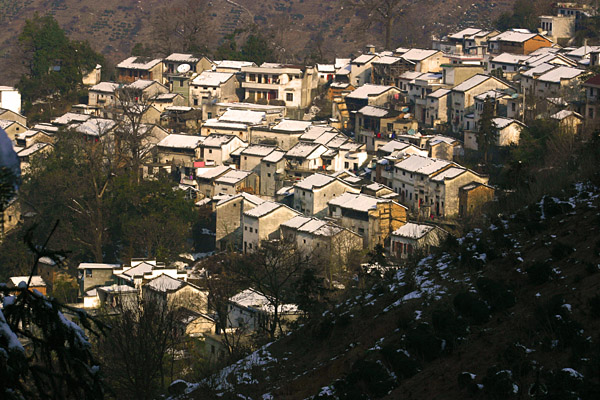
370,49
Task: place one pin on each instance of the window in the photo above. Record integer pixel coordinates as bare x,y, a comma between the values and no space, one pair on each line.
250,229
245,228
289,97
249,245
209,151
196,103
209,115
361,231
88,273
268,175
181,83
268,165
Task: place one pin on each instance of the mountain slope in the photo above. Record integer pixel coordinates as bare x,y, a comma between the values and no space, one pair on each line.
113,27
505,311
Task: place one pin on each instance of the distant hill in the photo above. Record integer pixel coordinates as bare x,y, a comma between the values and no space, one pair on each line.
113,27
509,311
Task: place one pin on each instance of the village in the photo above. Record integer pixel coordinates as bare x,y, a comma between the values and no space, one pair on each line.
382,153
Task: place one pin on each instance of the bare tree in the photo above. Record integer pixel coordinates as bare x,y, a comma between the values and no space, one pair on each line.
273,270
384,12
183,26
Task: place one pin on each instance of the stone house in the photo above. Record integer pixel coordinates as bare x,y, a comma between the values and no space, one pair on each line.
372,218
509,132
37,283
290,84
213,86
462,98
517,42
251,156
95,274
229,214
472,197
272,172
304,159
103,95
371,95
235,181
436,109
235,122
444,189
263,222
167,291
360,69
179,151
568,121
216,148
11,115
285,134
206,176
312,194
134,68
12,128
323,240
251,311
413,237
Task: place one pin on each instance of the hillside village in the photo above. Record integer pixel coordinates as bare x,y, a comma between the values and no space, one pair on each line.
385,154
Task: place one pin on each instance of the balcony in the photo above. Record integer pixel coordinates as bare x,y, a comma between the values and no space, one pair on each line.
260,86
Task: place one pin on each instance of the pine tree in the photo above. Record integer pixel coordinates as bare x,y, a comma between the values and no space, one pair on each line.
487,135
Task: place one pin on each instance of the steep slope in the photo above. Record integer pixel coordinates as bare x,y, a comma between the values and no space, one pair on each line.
509,311
113,27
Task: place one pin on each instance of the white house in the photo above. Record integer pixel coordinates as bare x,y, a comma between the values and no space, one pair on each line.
312,194
10,99
262,223
414,237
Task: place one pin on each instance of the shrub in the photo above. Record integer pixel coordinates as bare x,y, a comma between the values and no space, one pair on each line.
470,307
498,384
560,250
448,326
402,364
466,381
539,272
366,380
594,304
497,295
422,342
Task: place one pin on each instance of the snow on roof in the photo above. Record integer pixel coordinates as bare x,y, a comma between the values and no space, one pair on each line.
69,117
413,231
114,289
564,114
341,62
274,156
410,75
394,145
315,181
165,283
327,68
165,96
217,140
582,51
508,58
367,90
105,87
387,60
441,139
315,131
138,63
215,123
210,78
96,126
4,123
263,209
363,59
141,84
356,201
260,150
182,58
285,191
337,142
36,280
422,165
29,133
491,94
439,93
296,222
232,64
243,116
538,70
560,73
471,83
179,108
372,111
246,196
98,266
180,141
465,32
327,137
32,149
253,299
139,270
304,149
418,54
449,173
232,177
291,125
513,36
502,122
211,172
